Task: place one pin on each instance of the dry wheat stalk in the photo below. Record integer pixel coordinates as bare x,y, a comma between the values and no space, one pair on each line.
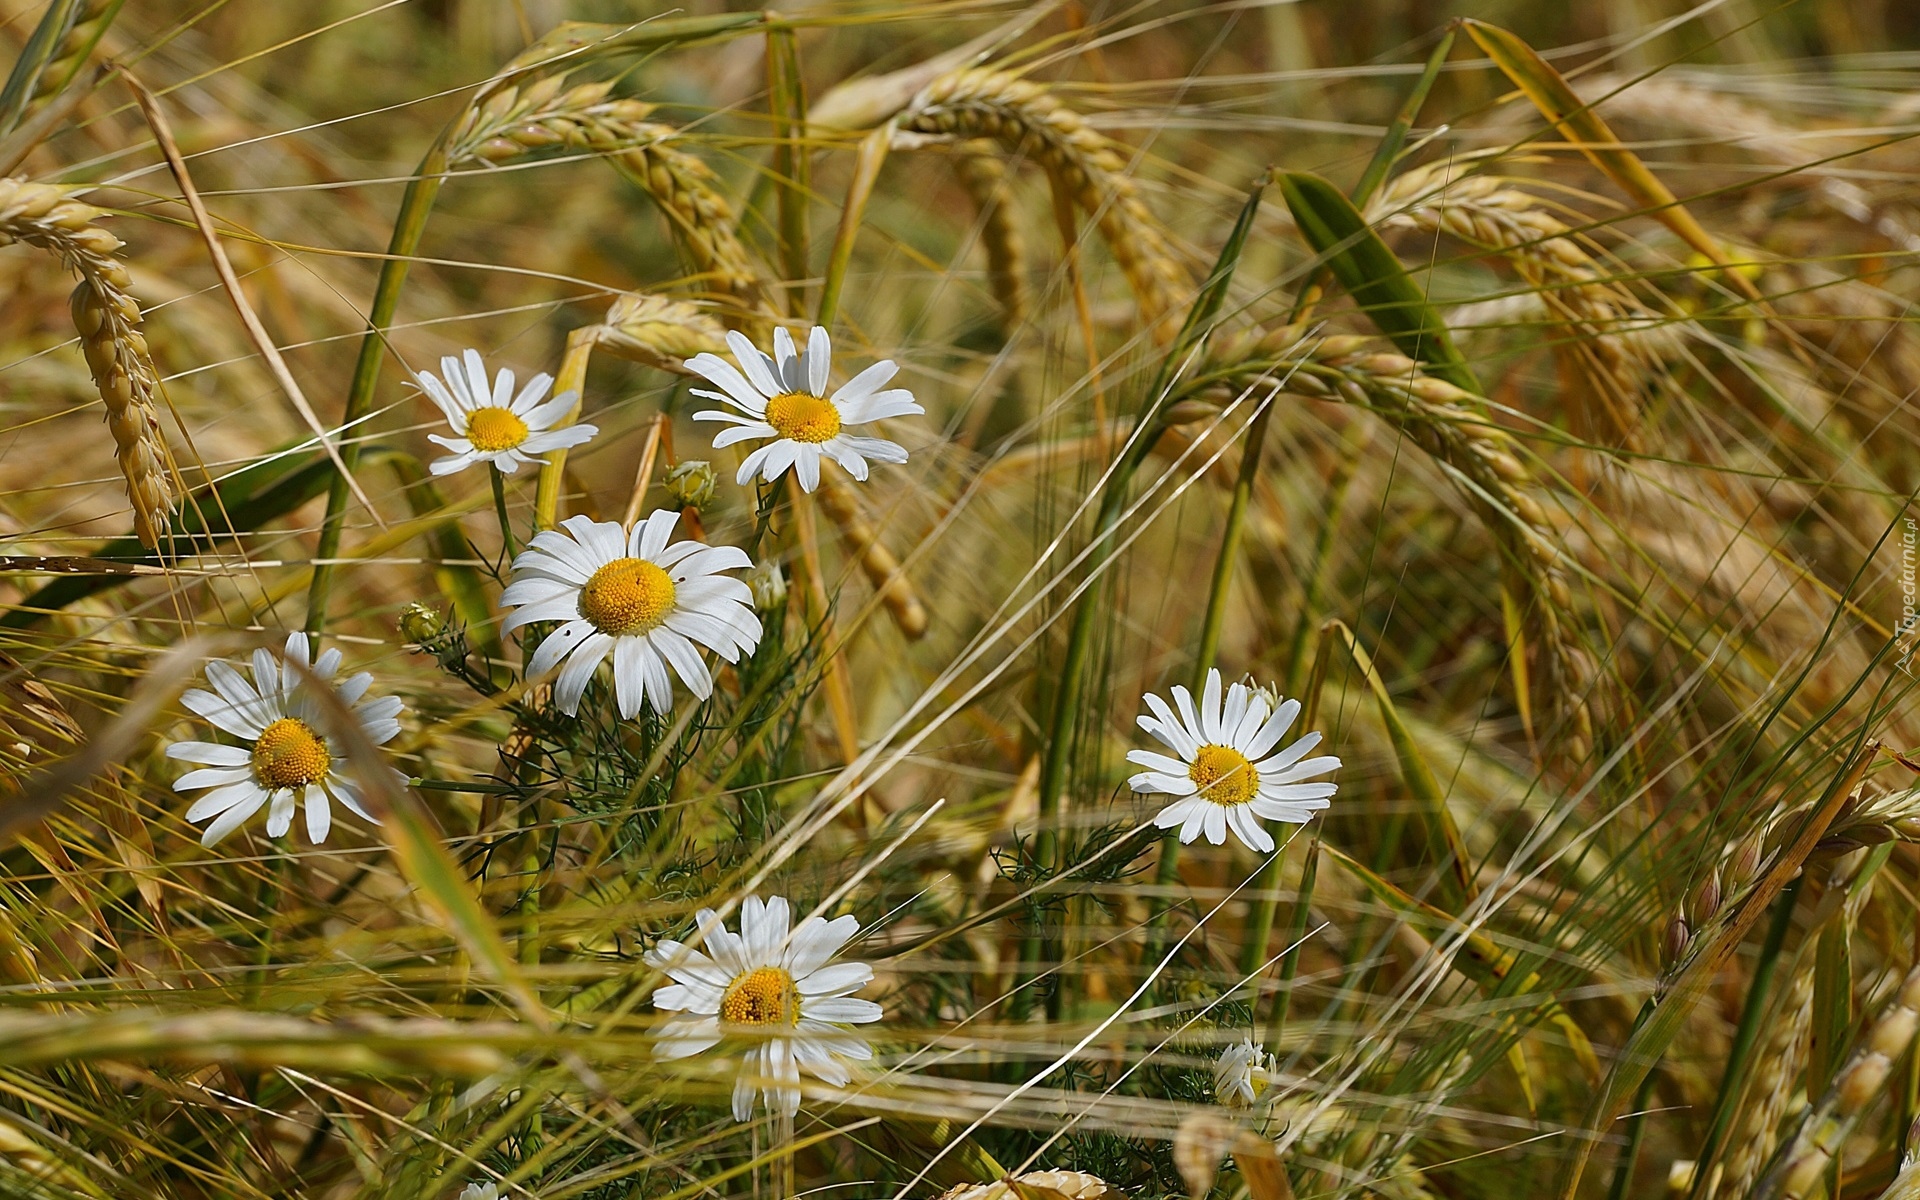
1071,1185
985,178
1023,117
1478,455
518,120
659,331
1799,1170
109,323
1590,311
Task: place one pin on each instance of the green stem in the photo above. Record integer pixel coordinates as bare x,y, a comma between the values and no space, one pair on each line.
415,206
500,511
1636,1134
1733,1079
1290,961
1266,899
1230,536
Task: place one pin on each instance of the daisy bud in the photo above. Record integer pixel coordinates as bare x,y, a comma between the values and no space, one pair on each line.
421,624
690,485
769,587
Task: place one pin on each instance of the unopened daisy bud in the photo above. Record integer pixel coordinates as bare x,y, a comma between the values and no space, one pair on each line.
1706,901
1678,935
421,623
769,586
690,485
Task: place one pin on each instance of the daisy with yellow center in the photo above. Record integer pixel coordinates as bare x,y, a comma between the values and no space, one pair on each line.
1227,775
288,759
491,423
784,397
1242,1072
773,993
632,594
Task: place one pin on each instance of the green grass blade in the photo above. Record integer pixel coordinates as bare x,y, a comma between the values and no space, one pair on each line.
1375,278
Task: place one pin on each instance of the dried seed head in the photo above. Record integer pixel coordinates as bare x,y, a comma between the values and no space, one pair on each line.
1678,936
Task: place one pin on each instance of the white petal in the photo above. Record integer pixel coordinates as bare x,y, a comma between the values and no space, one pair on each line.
319,814
233,818
1275,728
819,360
685,660
557,645
572,682
866,383
758,367
1210,711
211,753
222,799
208,777
280,815
723,375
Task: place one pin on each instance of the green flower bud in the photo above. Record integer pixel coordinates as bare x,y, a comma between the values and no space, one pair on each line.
422,623
690,485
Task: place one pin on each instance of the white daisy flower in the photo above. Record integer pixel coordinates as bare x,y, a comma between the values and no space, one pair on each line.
630,594
493,425
1242,1073
785,398
480,1191
777,993
287,759
1223,776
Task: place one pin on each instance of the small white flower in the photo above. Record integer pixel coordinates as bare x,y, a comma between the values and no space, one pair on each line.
1222,776
630,594
480,1191
287,758
493,425
777,992
1241,1074
785,398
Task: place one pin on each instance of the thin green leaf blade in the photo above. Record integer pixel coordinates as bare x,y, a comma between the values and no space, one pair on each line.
1373,276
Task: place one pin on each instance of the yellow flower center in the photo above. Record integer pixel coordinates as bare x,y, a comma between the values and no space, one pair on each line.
801,417
1224,775
290,754
761,997
492,429
628,595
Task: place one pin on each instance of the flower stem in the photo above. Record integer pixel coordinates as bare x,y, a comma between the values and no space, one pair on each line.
500,511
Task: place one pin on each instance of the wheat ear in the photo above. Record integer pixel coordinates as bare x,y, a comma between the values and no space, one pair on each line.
1779,1065
659,331
985,178
1479,456
517,120
109,323
1023,117
1799,1170
1601,326
877,562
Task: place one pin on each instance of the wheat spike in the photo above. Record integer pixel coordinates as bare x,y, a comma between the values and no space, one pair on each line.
1773,1084
1590,312
518,120
108,320
985,178
877,562
1443,420
659,331
1798,1171
1023,117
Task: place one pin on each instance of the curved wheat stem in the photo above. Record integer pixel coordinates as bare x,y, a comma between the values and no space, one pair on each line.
1023,116
519,120
109,321
1479,456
